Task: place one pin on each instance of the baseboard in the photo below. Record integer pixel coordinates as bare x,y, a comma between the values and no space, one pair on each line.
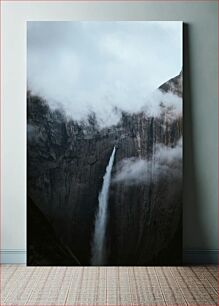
12,256
198,257
194,257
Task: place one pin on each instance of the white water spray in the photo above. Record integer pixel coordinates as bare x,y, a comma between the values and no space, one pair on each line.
98,245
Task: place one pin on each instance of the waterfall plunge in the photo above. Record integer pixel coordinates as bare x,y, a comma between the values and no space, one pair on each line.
98,245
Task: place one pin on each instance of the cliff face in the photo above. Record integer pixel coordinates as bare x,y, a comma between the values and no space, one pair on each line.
174,85
66,164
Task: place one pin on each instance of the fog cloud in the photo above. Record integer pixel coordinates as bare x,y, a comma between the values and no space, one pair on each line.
97,66
159,102
165,163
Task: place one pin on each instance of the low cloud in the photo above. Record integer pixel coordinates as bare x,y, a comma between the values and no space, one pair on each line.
132,171
159,102
165,163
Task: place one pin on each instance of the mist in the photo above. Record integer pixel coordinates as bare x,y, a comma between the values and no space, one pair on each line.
98,67
165,163
158,102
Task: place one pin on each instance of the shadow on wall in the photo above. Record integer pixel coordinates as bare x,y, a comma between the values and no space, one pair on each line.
192,224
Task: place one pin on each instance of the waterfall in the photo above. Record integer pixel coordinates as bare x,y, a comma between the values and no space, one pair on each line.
98,244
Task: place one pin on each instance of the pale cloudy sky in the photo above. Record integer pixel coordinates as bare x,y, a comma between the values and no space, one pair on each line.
94,66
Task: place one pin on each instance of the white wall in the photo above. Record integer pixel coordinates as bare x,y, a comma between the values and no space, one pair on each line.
200,108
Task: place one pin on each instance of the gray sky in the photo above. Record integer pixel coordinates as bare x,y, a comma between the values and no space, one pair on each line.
94,66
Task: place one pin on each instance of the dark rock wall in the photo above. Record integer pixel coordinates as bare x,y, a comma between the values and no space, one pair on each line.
144,218
66,163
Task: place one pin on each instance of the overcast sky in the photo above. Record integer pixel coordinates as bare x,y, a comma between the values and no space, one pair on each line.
94,66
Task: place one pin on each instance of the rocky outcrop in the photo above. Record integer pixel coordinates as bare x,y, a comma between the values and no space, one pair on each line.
66,164
174,85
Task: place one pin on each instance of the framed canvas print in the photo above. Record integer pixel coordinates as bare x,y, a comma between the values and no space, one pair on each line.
104,143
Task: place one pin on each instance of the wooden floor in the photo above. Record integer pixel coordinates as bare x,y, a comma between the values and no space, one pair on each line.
108,286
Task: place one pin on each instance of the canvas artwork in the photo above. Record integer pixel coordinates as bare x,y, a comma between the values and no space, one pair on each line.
104,143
